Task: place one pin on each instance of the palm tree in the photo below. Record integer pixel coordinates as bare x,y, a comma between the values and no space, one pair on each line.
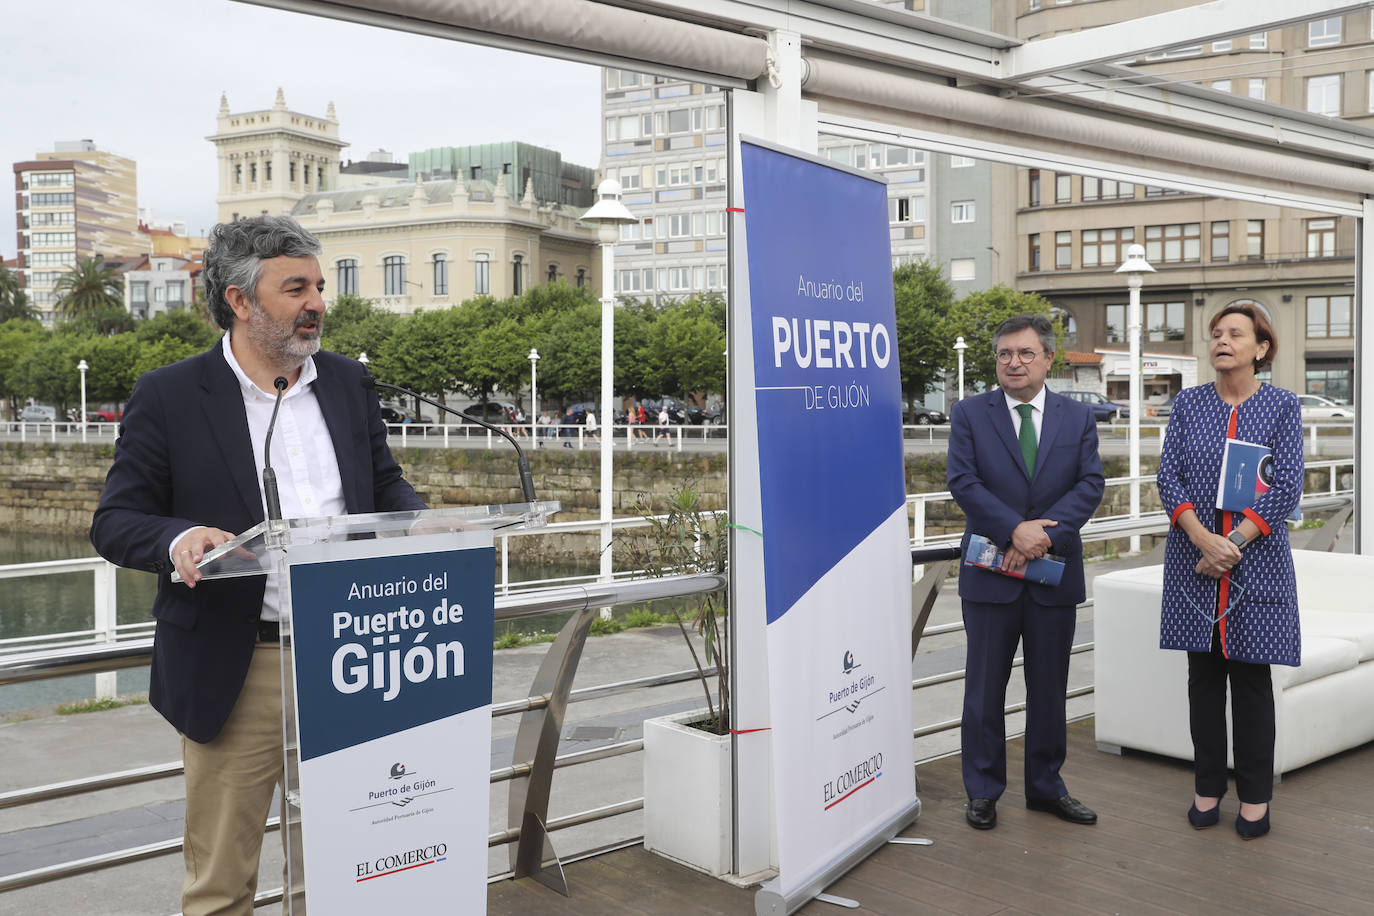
13,302
87,288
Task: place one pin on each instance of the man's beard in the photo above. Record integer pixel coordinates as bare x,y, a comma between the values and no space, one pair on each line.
278,340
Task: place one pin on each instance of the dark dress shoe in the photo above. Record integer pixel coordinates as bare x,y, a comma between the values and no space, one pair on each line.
1067,808
1250,830
1201,820
981,813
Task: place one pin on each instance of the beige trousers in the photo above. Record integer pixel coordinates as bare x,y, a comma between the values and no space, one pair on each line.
229,785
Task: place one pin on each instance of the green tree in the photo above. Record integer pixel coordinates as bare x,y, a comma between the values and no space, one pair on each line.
569,345
17,337
354,325
112,362
47,372
978,314
684,350
421,353
105,321
90,286
923,298
161,352
179,325
634,319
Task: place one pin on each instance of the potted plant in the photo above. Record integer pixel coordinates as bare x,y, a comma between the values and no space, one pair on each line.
687,774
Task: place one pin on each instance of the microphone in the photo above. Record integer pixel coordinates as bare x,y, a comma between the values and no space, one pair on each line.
522,463
269,476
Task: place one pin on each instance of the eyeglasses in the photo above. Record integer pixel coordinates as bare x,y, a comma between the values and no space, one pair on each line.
1026,355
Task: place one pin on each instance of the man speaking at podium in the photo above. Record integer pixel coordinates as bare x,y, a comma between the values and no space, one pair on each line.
185,479
1023,465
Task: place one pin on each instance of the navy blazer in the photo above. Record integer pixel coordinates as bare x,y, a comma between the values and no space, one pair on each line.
987,477
184,458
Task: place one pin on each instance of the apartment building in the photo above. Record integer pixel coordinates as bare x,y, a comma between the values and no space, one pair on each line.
1297,266
157,284
75,202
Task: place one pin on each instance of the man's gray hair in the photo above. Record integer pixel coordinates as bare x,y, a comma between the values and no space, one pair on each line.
1038,323
236,252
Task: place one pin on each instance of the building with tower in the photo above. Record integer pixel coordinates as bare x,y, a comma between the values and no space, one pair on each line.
268,160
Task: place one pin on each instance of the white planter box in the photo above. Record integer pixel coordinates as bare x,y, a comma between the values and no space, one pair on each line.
687,793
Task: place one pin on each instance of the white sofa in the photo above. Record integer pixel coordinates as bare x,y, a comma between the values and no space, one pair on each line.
1321,708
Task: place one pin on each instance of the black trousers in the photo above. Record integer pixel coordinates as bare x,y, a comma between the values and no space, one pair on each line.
1252,720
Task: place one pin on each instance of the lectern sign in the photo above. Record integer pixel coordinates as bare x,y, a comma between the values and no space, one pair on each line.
393,659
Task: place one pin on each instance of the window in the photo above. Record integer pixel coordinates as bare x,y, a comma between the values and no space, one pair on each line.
475,172
1033,259
960,162
1164,321
1221,47
394,275
54,239
679,225
517,283
899,209
159,294
267,169
441,274
52,199
1324,95
1116,323
138,293
291,171
679,120
175,292
1371,81
1032,187
347,277
581,277
1221,241
961,269
1259,41
1321,238
1328,316
898,155
552,276
679,278
253,172
629,232
1330,379
679,175
1063,189
1063,250
1173,243
1221,85
1103,247
627,281
1323,32
1106,189
629,179
1254,238
1256,89
961,211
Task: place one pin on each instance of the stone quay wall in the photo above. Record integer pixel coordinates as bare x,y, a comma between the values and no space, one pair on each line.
55,487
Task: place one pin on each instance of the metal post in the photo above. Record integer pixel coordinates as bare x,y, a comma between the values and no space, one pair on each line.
82,367
1135,265
534,398
959,347
608,235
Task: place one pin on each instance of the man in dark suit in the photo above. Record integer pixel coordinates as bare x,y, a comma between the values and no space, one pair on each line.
185,479
1024,467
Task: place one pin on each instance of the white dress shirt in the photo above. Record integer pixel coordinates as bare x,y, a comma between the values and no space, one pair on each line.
1037,415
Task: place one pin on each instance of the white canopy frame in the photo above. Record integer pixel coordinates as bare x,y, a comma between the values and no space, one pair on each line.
868,71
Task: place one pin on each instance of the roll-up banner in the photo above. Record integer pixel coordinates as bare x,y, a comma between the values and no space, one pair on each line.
836,553
393,661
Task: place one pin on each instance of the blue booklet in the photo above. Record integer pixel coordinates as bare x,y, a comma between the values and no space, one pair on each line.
984,554
1247,471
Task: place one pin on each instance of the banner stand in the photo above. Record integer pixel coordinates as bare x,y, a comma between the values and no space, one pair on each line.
767,900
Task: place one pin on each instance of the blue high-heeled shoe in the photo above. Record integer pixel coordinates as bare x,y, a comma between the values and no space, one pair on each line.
1249,830
1201,820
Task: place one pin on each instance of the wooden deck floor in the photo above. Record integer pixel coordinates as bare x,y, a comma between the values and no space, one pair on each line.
1141,857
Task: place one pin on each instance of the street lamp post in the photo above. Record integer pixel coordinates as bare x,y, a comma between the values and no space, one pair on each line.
534,398
82,367
608,213
960,347
1134,267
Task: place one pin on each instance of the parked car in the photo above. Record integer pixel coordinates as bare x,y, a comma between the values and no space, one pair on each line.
38,413
1162,409
1315,407
702,416
498,412
394,414
1104,411
925,416
677,411
108,412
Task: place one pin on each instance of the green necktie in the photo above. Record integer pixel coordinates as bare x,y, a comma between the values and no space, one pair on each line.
1028,444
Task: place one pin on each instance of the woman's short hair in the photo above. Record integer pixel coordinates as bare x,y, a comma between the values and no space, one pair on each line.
1264,331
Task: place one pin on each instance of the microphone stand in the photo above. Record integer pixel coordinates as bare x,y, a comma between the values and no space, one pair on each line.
276,526
522,463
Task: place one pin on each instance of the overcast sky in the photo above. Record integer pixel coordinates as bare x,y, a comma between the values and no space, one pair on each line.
143,78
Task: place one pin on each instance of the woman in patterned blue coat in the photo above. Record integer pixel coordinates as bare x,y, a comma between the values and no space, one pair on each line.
1230,597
